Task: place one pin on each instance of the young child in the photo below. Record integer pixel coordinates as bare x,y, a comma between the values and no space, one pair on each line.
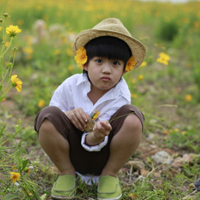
105,52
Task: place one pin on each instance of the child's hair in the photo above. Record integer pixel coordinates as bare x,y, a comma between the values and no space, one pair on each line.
108,47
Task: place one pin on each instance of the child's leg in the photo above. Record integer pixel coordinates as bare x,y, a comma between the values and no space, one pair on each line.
123,145
56,147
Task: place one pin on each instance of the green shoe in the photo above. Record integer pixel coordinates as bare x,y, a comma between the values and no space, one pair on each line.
109,188
64,187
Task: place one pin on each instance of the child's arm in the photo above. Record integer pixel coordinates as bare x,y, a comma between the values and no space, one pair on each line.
100,130
78,117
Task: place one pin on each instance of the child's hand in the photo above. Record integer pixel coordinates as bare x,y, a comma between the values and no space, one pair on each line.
78,117
101,129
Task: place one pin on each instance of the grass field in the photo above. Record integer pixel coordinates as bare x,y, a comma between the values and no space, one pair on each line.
167,92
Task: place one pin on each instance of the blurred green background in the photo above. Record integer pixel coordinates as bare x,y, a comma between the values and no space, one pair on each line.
169,95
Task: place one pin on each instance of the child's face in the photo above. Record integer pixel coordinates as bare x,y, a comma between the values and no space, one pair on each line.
103,73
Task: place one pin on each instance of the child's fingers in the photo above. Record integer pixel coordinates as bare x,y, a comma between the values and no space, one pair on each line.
102,129
79,118
106,125
76,122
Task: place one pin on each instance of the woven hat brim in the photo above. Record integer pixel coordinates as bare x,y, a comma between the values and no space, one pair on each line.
137,48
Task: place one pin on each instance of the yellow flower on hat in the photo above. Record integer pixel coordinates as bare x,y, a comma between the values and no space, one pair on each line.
164,58
130,64
17,83
81,56
14,176
12,30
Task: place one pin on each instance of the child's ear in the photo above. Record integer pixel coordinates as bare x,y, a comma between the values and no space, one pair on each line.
124,71
85,67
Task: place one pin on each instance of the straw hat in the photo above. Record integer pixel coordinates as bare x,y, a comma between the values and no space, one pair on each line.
112,27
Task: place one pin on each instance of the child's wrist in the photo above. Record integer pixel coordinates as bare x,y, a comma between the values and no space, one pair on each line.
92,140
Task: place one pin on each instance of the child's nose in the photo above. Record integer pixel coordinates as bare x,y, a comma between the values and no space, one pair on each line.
106,68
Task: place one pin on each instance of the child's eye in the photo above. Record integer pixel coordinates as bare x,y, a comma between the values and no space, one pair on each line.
98,60
116,63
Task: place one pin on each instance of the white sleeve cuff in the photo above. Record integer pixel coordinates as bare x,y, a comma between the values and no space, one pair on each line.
93,148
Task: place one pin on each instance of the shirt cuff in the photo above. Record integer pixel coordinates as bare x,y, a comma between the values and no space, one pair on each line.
93,148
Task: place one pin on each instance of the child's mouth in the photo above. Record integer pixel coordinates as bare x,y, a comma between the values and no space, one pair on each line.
105,79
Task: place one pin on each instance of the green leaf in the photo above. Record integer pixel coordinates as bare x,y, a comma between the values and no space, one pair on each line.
43,197
1,86
1,98
36,194
24,164
2,129
9,197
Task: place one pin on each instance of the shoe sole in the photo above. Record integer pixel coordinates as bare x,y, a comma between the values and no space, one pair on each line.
116,198
59,197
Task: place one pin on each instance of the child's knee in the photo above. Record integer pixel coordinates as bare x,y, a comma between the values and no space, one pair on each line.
46,126
133,123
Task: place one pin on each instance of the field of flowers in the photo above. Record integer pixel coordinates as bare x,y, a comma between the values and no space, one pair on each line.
36,39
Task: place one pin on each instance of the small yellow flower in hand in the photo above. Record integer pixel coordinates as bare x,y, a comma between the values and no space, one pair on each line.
17,83
15,176
95,116
12,31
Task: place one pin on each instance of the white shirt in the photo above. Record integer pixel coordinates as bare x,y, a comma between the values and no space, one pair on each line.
72,94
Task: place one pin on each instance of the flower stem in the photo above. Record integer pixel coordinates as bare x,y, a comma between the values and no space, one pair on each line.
6,92
8,47
119,117
4,76
12,63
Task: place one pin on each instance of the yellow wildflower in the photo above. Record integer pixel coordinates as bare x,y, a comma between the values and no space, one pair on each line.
188,97
17,83
1,28
164,58
41,103
134,95
143,64
183,132
15,176
140,77
28,50
38,7
166,132
81,56
133,80
70,68
95,116
130,64
196,24
57,52
12,30
176,130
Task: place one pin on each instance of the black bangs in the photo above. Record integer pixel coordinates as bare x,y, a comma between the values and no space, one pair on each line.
108,47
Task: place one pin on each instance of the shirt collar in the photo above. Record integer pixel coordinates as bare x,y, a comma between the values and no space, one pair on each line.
83,78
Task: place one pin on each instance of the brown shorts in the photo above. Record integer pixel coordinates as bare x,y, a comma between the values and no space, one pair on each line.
84,162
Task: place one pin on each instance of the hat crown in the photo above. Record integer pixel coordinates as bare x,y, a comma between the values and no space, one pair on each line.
112,24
